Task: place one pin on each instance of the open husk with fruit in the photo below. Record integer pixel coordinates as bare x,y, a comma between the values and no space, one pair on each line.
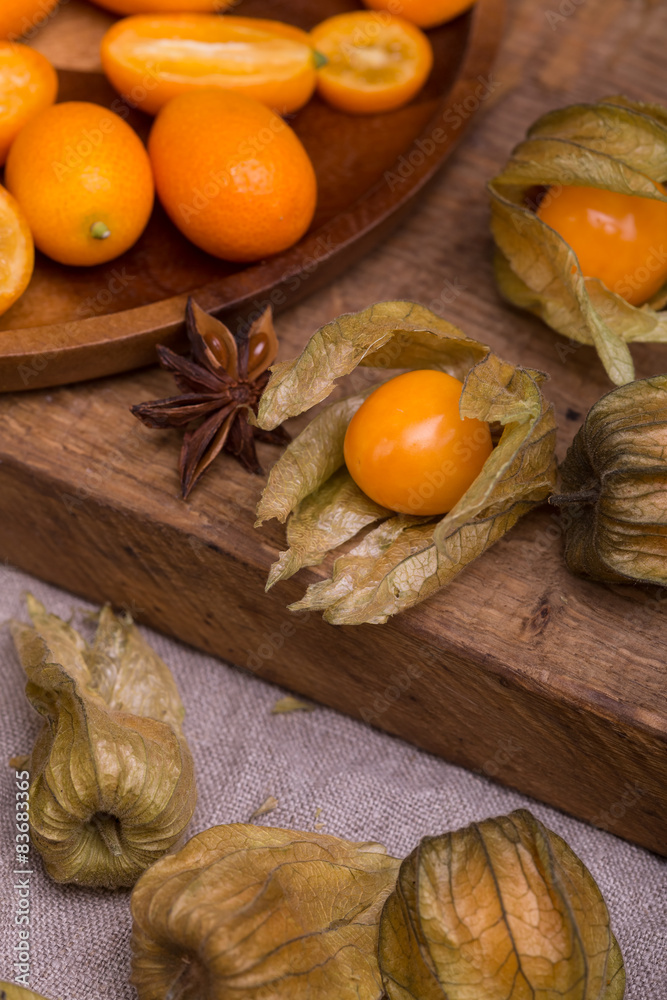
403,558
616,145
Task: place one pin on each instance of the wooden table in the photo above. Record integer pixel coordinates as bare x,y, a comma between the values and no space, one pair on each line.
548,683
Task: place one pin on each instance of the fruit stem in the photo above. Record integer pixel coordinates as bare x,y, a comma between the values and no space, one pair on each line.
176,989
108,829
566,499
100,231
190,980
319,59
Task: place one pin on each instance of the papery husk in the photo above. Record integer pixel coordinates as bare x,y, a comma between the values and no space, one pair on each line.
618,145
12,991
258,913
404,559
334,513
112,783
613,495
501,910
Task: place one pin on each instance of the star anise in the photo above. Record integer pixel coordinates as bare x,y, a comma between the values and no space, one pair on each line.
221,383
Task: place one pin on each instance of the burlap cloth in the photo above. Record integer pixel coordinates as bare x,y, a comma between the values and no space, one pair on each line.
322,768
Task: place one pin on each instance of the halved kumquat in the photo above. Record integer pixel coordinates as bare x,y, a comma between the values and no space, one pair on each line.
28,84
374,61
152,59
17,252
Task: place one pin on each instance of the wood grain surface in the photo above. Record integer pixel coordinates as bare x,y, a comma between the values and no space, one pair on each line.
545,682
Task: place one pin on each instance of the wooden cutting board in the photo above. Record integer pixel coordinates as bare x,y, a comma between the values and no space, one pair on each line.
542,681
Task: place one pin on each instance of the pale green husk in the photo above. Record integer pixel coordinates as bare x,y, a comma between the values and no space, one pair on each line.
618,145
402,560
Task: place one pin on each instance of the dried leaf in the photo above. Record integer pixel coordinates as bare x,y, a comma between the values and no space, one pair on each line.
352,570
618,145
625,321
537,270
20,763
267,806
413,569
656,111
127,673
626,134
551,161
331,515
615,978
112,779
308,461
408,971
291,704
500,910
256,912
405,560
387,335
614,487
11,991
522,465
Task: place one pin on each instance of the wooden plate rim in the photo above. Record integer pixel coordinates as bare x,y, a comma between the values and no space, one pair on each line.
42,356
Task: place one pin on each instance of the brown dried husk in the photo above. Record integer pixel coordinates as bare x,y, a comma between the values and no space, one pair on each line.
12,991
403,559
618,145
263,914
613,496
501,910
112,784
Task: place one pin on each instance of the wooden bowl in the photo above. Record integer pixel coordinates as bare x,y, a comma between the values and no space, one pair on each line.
74,324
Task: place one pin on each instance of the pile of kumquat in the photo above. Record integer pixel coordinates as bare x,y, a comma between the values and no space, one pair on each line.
232,175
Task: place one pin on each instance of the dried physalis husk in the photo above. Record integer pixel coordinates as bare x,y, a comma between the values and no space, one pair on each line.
614,487
502,910
11,991
618,145
258,913
111,776
403,559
